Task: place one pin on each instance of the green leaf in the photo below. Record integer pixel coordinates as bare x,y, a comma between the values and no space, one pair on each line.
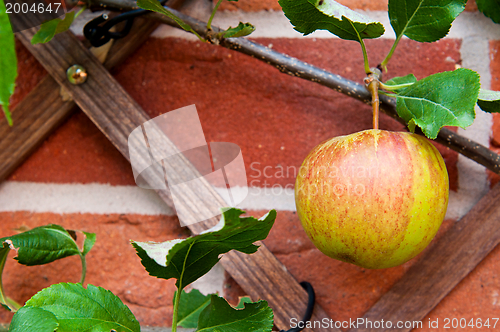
155,6
80,309
33,319
489,101
88,243
408,79
243,29
490,8
243,300
424,20
189,259
42,245
190,306
443,99
50,28
8,62
4,252
219,316
309,16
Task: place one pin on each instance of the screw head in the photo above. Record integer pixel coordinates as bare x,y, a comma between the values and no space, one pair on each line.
76,74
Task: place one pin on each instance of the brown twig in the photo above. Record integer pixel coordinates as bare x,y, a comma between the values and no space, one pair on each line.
372,84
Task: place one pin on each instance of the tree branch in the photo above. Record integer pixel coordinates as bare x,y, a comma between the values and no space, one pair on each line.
294,67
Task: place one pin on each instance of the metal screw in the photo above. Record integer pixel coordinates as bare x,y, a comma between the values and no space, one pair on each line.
76,74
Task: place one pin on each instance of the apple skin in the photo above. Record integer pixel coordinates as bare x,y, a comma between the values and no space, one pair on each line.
375,198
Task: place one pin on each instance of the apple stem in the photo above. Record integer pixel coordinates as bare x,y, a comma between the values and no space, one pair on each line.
372,83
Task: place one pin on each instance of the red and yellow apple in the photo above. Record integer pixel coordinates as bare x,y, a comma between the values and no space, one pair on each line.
374,198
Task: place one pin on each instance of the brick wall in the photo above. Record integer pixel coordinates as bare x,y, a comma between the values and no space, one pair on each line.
78,179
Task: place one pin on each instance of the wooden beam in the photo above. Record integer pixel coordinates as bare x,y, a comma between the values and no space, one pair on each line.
116,114
43,109
442,267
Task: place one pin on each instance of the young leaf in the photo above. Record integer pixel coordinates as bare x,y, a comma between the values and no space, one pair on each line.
243,29
489,101
443,99
8,62
308,16
490,8
50,28
219,316
424,20
42,245
88,243
80,309
33,319
190,307
155,6
189,259
243,300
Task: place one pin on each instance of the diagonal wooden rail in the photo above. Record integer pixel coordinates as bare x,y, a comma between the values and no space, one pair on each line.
43,109
116,114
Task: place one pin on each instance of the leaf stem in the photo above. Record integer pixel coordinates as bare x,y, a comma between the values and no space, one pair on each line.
179,291
383,64
372,82
363,48
209,23
84,268
80,11
365,57
176,309
394,87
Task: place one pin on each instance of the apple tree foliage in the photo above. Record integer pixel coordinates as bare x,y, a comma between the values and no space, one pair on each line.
443,99
67,307
187,260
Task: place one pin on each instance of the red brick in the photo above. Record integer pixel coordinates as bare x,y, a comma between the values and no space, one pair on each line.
495,85
276,129
111,264
76,152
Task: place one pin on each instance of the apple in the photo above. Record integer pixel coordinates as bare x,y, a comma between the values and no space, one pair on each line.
374,198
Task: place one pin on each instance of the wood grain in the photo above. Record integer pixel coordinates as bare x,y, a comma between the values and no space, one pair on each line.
116,114
43,110
442,267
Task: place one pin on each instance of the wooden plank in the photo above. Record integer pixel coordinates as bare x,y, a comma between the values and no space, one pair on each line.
43,110
441,268
116,114
40,112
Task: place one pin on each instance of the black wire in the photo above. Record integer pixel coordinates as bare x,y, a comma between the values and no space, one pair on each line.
98,33
309,310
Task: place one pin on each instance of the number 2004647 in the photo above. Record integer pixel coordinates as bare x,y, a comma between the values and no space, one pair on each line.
462,323
24,8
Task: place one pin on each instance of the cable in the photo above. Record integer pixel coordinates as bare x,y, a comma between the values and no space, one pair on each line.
309,310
